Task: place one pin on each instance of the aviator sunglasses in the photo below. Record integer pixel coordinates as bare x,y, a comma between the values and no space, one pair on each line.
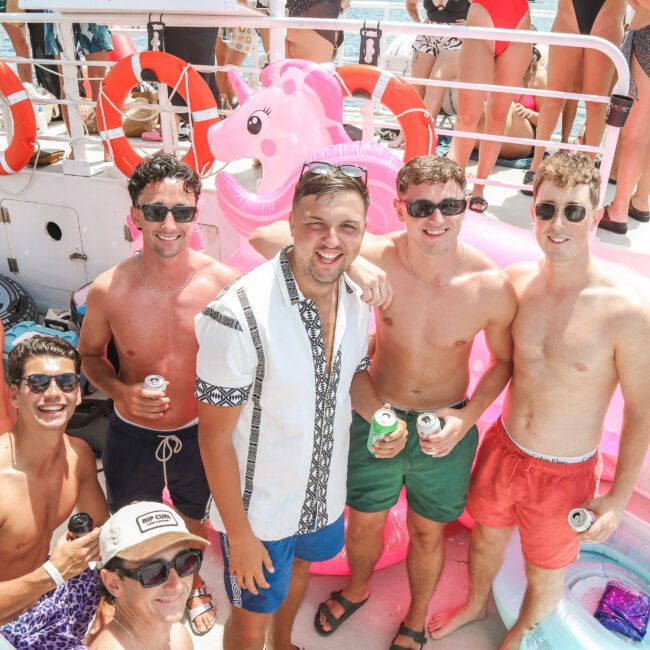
39,382
319,167
156,573
158,212
423,208
574,212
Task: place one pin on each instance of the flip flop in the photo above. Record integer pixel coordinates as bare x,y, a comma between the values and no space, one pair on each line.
44,157
640,215
348,609
151,136
194,612
418,637
478,204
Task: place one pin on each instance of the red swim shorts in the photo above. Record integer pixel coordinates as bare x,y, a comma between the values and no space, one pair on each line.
509,487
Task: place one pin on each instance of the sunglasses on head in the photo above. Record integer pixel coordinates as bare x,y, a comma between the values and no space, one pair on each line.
423,208
574,212
40,382
158,212
156,573
319,167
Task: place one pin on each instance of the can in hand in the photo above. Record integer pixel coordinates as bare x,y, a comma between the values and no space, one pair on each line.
154,383
427,425
580,519
79,525
384,422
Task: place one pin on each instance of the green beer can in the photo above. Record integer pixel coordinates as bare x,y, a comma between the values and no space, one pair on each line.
384,422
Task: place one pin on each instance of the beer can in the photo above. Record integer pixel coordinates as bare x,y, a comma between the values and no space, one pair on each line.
79,525
384,422
154,383
427,424
580,519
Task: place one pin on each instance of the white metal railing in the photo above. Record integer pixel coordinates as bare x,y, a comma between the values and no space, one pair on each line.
277,23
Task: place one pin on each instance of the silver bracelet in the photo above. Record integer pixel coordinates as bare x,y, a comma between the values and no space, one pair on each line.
53,572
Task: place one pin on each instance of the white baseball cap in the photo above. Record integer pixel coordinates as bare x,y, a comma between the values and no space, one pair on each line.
138,531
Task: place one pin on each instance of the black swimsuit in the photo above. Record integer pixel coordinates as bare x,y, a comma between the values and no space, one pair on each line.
586,12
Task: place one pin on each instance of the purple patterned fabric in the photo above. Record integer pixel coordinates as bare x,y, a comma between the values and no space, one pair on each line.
59,619
624,610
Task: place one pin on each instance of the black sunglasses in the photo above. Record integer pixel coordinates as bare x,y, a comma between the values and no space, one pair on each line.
156,573
423,208
39,382
574,212
320,167
158,212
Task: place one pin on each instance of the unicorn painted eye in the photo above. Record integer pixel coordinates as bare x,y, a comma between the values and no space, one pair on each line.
254,124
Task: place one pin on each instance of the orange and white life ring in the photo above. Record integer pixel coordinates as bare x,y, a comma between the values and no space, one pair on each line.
169,70
418,126
22,144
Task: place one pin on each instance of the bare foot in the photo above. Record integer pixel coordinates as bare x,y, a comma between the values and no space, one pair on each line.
512,640
337,609
450,620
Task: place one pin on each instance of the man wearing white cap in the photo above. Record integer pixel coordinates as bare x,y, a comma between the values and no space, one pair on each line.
147,565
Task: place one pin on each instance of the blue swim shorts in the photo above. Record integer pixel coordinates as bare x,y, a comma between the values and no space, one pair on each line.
319,546
89,38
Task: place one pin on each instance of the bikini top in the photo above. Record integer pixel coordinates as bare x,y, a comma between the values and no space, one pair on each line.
446,11
527,101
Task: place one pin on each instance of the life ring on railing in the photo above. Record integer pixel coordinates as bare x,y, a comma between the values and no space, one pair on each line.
169,70
21,147
418,126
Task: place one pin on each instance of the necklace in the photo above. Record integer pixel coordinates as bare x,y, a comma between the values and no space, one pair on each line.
440,284
129,634
156,289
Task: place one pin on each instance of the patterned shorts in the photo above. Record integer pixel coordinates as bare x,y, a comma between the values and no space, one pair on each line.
434,45
59,619
237,38
88,37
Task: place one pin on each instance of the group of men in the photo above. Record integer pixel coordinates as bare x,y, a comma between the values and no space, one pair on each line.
273,368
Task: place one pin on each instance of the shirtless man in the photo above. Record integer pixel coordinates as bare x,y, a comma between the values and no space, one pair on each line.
147,305
45,475
579,331
445,293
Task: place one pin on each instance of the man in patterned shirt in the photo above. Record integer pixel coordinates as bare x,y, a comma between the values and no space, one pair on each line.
280,351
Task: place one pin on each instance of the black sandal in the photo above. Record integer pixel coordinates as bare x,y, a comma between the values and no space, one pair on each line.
529,177
478,204
348,609
418,637
640,215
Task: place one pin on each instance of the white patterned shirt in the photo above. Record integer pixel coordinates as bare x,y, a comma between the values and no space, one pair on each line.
261,347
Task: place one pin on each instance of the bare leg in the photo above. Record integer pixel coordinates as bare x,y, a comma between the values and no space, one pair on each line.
364,543
307,44
509,70
278,636
232,57
634,142
421,69
542,596
206,620
18,37
444,69
424,562
476,65
485,558
245,630
563,67
96,73
641,198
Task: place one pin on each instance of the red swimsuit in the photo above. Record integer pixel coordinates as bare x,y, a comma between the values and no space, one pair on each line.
505,14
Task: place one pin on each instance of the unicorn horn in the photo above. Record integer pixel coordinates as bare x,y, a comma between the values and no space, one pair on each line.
241,88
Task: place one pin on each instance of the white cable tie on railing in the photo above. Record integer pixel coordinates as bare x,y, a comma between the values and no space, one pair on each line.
137,67
205,114
16,97
380,86
5,165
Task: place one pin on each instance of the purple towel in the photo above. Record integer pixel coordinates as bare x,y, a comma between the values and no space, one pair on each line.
625,610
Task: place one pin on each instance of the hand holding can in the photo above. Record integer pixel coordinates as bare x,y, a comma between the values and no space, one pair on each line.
383,423
580,519
427,425
154,383
79,524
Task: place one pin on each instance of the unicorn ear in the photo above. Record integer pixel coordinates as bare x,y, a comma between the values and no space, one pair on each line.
241,88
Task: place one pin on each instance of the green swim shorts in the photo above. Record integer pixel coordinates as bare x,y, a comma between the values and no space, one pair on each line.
436,488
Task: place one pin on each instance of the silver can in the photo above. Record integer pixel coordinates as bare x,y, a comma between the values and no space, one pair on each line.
427,425
580,519
154,383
